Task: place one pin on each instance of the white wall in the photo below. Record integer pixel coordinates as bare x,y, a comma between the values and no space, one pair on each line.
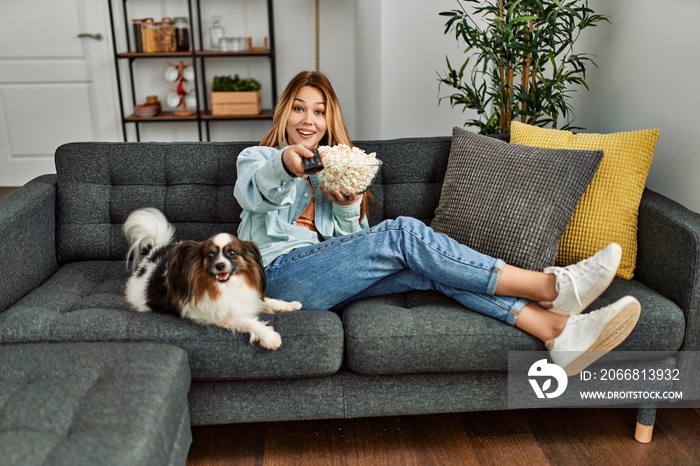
383,57
648,65
400,50
368,73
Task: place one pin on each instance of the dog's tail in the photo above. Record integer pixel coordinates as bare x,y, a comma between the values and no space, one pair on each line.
146,229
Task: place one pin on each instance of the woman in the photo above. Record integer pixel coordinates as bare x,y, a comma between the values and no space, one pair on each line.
317,246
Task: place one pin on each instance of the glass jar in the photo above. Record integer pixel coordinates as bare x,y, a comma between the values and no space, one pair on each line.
216,33
182,34
138,45
166,35
234,44
149,35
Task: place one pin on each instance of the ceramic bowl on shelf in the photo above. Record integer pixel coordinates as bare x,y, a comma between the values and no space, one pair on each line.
191,100
173,100
188,74
145,110
172,74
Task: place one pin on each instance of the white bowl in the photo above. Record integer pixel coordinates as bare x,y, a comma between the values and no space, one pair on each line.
349,177
188,74
191,100
172,74
173,100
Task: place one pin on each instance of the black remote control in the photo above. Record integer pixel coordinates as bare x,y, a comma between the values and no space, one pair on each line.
314,164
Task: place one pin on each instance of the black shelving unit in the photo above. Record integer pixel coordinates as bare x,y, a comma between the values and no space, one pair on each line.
202,114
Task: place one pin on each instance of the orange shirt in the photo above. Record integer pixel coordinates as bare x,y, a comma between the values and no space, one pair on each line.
306,218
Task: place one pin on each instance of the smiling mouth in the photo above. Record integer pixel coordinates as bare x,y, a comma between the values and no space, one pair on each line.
305,133
223,277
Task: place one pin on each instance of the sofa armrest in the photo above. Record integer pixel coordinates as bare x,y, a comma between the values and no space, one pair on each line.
28,239
668,257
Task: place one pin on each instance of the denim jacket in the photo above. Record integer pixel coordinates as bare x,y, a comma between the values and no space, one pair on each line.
272,200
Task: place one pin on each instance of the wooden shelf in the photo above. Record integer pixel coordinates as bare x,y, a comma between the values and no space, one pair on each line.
257,52
163,116
264,115
155,55
129,91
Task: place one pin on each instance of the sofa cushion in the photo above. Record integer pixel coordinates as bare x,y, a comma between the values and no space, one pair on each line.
427,332
608,209
510,201
192,184
84,302
89,404
99,184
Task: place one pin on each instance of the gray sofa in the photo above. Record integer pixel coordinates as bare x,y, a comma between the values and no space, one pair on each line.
94,404
62,272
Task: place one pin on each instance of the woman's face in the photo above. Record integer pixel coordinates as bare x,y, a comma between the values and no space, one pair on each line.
306,124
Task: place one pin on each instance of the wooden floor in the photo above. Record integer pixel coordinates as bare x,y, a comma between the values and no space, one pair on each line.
529,437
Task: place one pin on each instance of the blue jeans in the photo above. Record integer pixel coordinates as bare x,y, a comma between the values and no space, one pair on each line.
392,257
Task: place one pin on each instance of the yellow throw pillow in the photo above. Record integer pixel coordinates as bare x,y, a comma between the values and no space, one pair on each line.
609,208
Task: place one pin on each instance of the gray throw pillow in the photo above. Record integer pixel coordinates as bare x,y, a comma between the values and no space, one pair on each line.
511,201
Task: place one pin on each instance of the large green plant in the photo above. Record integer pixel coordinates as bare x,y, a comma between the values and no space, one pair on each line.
520,63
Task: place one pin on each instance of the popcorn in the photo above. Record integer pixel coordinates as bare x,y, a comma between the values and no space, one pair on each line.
348,169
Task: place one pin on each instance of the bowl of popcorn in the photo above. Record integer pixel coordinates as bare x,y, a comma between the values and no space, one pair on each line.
348,169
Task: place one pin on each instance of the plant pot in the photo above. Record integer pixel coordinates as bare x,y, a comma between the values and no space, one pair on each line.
236,103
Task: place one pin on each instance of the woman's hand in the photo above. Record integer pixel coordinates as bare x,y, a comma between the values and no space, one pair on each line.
292,159
339,198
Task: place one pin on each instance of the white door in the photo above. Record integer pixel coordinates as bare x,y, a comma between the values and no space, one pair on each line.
54,86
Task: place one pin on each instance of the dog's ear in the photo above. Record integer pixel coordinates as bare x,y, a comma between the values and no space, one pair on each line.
252,255
185,257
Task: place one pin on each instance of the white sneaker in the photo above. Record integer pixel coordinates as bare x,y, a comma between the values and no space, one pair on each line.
578,285
587,337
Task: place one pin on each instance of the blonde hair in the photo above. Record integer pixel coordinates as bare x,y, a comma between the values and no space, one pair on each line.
336,132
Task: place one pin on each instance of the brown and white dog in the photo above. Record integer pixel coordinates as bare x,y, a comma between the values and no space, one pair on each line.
220,281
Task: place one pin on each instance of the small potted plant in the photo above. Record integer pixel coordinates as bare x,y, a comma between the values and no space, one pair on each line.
235,96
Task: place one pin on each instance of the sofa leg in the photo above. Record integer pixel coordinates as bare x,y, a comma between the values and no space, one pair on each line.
646,415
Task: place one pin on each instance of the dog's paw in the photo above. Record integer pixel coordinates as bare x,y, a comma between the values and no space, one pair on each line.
293,306
271,341
273,306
